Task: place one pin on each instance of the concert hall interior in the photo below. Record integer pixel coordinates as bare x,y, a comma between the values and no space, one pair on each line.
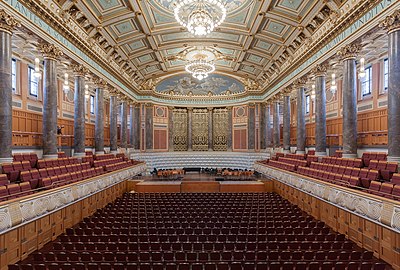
200,134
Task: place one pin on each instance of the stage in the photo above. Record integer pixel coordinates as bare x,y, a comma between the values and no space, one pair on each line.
199,182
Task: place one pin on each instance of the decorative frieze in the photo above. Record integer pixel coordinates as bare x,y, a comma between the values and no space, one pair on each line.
392,22
8,22
349,51
50,51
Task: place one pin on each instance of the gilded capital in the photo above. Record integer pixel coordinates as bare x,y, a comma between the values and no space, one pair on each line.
100,83
319,70
392,22
300,82
349,51
113,92
79,70
50,51
7,22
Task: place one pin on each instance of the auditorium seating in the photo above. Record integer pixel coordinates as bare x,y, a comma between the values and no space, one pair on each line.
32,158
201,231
20,179
346,171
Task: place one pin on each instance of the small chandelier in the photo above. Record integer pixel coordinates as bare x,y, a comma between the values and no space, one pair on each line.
313,92
361,73
36,72
333,84
200,67
66,84
200,17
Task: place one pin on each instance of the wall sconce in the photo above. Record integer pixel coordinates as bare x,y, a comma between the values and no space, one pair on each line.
37,73
86,91
333,83
361,73
313,91
66,84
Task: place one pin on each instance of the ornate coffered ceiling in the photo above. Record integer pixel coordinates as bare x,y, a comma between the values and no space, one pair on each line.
144,37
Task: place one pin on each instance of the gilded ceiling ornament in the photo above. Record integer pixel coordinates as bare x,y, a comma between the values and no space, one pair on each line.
149,84
349,51
392,22
334,16
50,51
79,70
319,70
8,22
250,85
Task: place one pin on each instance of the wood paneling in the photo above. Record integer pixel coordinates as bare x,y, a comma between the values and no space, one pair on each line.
17,244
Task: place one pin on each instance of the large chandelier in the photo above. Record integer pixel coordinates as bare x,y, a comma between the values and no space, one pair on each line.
200,17
200,65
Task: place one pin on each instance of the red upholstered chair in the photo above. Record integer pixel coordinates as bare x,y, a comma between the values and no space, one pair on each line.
358,163
4,180
396,179
9,170
391,168
3,193
26,165
396,192
373,164
25,188
13,190
18,157
387,189
374,187
381,156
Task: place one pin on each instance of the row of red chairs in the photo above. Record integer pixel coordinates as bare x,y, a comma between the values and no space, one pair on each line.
365,176
117,166
47,163
13,170
296,162
334,178
350,162
103,156
296,156
13,191
368,156
386,168
68,178
388,190
104,162
31,157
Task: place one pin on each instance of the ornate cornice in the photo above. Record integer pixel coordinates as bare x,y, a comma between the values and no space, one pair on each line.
79,70
319,70
349,51
50,51
8,22
392,22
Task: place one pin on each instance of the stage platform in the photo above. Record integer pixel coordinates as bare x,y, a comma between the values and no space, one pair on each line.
194,184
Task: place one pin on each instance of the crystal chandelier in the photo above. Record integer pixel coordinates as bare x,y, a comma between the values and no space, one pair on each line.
200,68
200,17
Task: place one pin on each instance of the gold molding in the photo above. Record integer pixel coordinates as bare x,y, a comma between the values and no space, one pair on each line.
50,51
392,22
7,22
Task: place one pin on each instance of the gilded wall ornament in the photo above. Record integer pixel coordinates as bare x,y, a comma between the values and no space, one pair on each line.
319,70
8,22
50,51
392,22
79,70
349,51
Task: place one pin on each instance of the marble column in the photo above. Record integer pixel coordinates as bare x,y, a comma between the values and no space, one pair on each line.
7,25
50,90
113,121
79,110
99,114
349,92
301,116
230,135
210,129
268,132
190,112
286,124
251,124
149,126
276,131
170,129
124,124
131,125
320,109
392,25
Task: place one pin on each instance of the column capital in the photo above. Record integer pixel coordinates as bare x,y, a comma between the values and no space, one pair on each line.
300,82
349,51
7,22
392,22
210,109
50,51
100,83
319,70
79,70
113,92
